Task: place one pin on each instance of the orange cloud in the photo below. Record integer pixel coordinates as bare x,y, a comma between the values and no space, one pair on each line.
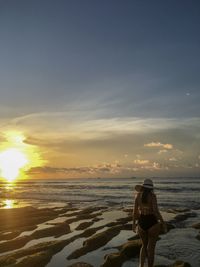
141,162
160,145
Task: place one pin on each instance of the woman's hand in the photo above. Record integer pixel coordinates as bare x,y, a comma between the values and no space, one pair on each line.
134,227
164,227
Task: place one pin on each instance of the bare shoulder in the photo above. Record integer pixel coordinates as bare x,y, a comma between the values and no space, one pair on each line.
137,195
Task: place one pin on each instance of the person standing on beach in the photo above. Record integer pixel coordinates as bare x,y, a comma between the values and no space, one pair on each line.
147,220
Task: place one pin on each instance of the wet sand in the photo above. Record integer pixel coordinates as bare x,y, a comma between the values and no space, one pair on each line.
74,236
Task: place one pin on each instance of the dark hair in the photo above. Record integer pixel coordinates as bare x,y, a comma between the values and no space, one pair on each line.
145,193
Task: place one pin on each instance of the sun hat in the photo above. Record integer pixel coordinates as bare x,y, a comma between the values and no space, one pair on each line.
147,183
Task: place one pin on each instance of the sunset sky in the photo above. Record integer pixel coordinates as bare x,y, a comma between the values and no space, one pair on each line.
106,88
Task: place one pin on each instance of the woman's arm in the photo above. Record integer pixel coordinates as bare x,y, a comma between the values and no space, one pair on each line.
155,209
135,210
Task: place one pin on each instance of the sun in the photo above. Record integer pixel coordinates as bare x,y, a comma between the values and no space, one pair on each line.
17,157
11,161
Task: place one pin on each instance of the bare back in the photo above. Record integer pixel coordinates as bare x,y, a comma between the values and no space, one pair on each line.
145,208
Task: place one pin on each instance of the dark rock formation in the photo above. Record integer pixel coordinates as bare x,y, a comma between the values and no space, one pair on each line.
84,225
95,242
196,225
176,264
80,264
126,251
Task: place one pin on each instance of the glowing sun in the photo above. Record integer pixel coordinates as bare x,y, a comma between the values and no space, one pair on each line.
17,157
11,162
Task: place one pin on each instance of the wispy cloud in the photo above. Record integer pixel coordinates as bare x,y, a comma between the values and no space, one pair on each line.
83,122
94,170
159,145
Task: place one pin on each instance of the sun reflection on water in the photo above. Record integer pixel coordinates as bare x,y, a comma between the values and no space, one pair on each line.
8,203
9,186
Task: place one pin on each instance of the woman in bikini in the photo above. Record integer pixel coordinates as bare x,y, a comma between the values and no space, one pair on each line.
148,220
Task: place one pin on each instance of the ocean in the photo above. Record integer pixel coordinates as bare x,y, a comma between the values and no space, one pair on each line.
171,192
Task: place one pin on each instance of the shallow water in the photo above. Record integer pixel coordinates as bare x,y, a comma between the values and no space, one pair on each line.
116,194
180,244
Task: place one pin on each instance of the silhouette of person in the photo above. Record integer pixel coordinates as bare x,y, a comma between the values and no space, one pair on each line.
147,220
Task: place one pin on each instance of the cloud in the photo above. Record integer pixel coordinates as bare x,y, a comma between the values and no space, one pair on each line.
173,159
88,124
144,164
76,139
141,162
158,144
162,151
100,168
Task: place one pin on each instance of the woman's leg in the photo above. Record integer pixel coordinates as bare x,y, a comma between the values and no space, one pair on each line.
143,251
153,233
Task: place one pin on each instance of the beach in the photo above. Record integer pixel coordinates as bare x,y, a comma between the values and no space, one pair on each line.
92,223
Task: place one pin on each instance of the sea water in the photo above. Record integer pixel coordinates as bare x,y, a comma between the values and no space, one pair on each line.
173,194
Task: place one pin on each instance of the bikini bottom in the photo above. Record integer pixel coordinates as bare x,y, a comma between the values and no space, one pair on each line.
147,221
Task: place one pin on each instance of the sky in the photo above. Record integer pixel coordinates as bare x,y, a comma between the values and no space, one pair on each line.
106,88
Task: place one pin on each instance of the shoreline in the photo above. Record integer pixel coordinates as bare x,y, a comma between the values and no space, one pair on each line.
99,236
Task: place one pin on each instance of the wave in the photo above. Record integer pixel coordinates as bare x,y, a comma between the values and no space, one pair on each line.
170,193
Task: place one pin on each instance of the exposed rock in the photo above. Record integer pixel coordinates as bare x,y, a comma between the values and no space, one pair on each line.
84,225
125,219
40,254
80,264
88,216
39,259
11,219
128,210
57,230
14,244
176,264
10,235
127,227
83,217
196,225
96,219
114,259
128,250
131,248
88,211
95,242
177,210
182,217
43,251
169,226
7,260
180,264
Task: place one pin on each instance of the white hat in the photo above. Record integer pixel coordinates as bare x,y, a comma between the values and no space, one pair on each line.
147,183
